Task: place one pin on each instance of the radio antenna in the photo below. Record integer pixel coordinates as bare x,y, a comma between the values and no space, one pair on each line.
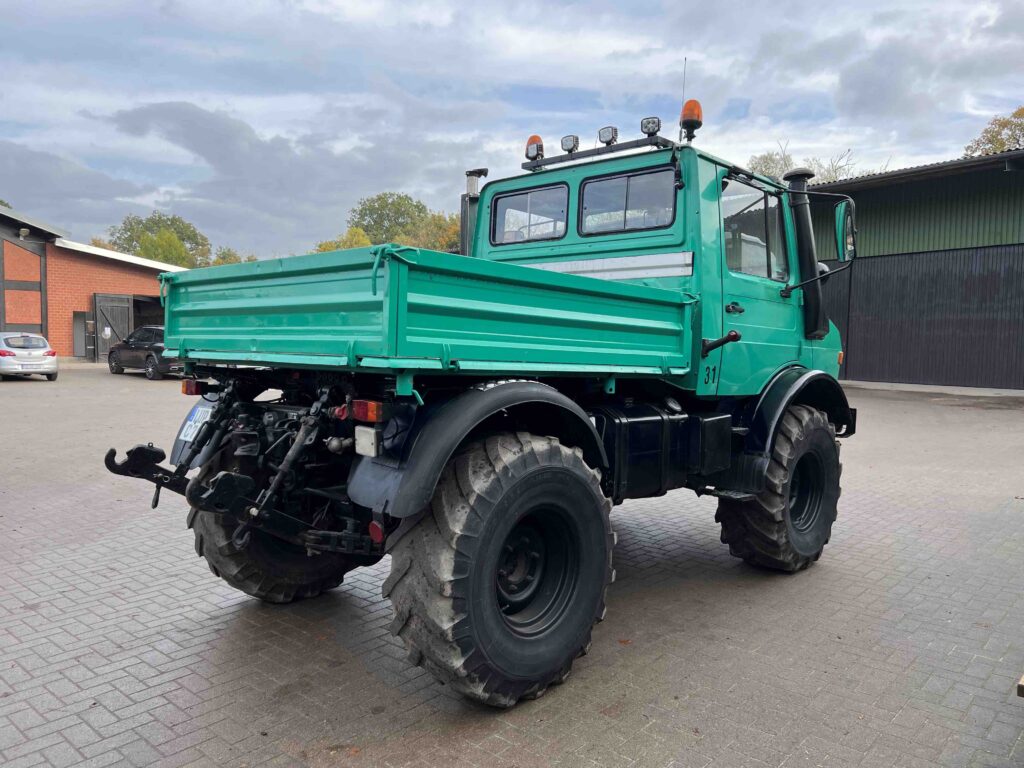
684,101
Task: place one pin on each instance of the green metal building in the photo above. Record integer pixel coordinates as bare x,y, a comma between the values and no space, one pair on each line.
937,296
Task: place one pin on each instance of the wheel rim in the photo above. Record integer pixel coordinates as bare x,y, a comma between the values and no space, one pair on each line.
806,490
150,367
537,572
112,363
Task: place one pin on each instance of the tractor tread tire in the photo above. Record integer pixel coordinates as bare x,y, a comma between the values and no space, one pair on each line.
250,570
424,581
756,530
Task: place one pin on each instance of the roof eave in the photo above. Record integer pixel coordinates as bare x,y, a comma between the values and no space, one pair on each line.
127,258
10,216
1000,160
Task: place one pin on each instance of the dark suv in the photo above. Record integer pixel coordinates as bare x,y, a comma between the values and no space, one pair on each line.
143,349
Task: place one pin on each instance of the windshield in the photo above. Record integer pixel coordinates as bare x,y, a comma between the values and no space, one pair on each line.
26,342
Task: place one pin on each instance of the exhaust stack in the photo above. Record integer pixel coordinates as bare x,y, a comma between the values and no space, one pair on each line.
467,217
815,322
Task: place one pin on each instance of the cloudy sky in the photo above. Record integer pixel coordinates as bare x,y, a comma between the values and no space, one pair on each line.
264,121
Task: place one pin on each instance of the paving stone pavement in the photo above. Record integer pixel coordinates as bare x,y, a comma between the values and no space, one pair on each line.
901,647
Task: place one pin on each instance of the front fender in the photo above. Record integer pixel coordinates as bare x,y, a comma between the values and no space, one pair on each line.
798,386
403,487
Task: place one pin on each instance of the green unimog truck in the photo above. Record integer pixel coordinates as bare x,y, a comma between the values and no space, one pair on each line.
622,321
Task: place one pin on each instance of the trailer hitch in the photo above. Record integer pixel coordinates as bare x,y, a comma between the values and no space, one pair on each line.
143,461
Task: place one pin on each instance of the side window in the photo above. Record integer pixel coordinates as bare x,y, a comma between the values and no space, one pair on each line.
753,231
537,214
135,336
626,203
158,335
778,268
145,335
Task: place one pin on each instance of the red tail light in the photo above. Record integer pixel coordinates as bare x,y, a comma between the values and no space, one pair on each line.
50,353
376,532
368,410
193,387
6,353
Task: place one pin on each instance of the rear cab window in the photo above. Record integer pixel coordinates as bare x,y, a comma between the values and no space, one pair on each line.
534,214
620,219
628,202
25,342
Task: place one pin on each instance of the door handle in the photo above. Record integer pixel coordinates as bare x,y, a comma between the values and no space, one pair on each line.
733,308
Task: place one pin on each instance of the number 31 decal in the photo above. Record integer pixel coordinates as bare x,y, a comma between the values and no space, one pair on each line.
710,374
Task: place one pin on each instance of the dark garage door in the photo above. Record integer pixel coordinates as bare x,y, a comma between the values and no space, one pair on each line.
949,317
115,313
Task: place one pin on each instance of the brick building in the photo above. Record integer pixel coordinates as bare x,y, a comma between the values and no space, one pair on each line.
72,292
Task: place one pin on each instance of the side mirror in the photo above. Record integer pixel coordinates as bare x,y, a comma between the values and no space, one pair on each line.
846,231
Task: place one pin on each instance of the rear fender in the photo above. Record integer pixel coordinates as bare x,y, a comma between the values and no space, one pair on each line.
798,386
402,488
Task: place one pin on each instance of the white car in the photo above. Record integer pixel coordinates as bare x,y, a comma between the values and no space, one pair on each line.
26,354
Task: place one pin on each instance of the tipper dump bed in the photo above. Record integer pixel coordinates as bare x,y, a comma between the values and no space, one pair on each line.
404,308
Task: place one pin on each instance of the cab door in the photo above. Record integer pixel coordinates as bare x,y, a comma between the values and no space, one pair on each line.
758,259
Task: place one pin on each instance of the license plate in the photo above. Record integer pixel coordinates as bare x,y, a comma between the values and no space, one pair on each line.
196,419
30,367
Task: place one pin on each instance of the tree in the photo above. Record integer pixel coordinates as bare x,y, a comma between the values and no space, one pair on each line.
837,167
384,217
4,204
99,242
127,236
226,255
354,237
1002,133
775,163
437,231
165,246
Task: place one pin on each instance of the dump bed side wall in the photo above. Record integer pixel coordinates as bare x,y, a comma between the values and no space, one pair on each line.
316,306
488,316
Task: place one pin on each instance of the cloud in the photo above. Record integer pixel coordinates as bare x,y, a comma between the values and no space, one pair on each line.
265,121
63,192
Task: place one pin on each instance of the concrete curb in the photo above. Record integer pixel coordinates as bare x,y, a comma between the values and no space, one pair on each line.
938,389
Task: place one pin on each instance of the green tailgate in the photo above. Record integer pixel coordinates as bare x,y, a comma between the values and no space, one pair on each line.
401,308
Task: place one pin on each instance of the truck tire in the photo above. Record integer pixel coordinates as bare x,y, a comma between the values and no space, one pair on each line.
268,568
787,525
497,588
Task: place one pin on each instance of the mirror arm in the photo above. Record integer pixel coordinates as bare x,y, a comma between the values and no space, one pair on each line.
788,290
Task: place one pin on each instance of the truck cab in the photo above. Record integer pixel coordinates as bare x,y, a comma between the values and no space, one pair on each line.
623,321
678,219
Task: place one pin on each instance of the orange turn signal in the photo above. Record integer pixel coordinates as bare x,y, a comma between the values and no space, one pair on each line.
367,410
840,357
193,387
